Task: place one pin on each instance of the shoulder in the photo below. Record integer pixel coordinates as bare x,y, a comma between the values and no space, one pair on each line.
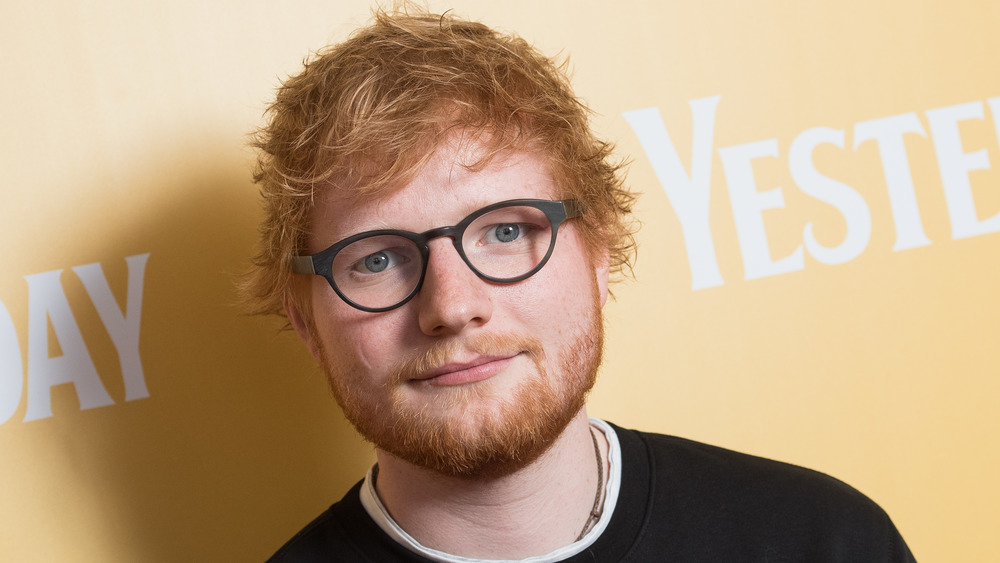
704,493
344,529
748,480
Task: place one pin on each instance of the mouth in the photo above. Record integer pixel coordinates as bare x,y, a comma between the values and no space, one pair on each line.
460,373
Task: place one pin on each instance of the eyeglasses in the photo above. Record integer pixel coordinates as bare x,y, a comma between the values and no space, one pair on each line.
380,270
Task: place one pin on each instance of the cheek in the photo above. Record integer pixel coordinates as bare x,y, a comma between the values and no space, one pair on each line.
360,343
559,299
573,272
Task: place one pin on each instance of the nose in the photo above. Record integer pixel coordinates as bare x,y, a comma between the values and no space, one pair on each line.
452,296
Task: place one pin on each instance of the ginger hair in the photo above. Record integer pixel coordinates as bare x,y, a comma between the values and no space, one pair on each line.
364,115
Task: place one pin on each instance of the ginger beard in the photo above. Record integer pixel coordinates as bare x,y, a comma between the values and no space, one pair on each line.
473,430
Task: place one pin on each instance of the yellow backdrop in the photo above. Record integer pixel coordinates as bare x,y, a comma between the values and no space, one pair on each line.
816,281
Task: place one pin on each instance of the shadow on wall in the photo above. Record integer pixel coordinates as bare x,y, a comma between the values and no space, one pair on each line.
239,444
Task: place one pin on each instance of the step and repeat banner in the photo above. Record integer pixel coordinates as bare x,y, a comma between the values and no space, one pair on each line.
817,278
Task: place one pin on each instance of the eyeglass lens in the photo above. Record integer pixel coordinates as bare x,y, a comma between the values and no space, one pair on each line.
382,270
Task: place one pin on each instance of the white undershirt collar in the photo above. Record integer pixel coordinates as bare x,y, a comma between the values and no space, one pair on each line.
378,513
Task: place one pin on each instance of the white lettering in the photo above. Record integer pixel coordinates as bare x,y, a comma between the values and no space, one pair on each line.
11,367
123,328
748,207
47,302
888,133
688,194
845,199
955,164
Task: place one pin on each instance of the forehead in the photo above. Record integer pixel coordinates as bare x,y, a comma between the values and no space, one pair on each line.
443,192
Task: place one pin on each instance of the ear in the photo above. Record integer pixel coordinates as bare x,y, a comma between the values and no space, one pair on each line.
602,267
302,326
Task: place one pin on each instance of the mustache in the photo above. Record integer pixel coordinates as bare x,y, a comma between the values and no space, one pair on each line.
484,345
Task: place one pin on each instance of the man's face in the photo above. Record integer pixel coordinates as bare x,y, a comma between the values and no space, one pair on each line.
469,377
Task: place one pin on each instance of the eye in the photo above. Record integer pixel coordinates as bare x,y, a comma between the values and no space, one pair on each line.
507,232
378,262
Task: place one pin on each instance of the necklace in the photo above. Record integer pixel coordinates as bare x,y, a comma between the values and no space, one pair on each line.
595,513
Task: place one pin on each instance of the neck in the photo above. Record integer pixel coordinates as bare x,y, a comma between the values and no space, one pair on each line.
531,511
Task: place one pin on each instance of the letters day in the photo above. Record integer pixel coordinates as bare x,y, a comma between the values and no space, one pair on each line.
47,302
689,189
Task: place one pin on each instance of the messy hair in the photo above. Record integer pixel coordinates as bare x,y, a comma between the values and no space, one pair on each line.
365,115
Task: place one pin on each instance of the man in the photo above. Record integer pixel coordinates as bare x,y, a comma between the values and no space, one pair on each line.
441,225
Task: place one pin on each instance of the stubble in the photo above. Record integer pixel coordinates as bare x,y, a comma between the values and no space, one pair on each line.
474,430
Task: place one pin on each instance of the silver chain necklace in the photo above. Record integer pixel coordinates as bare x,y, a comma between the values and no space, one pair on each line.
595,513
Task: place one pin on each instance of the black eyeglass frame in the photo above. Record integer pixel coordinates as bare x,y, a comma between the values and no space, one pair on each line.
321,263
